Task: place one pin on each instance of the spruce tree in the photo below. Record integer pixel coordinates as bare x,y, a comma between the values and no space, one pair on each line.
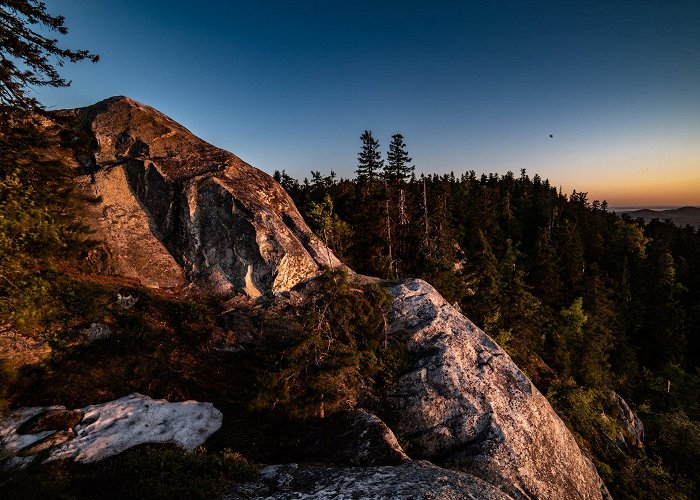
398,168
369,161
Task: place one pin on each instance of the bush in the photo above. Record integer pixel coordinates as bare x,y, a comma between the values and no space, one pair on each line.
338,346
39,224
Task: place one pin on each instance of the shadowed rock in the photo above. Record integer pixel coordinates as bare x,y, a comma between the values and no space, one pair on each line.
412,480
58,437
360,438
632,433
51,420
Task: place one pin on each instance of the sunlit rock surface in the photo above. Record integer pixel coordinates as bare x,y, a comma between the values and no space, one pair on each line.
176,212
412,480
108,429
466,405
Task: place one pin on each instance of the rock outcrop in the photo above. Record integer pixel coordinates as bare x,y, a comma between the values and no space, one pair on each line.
411,480
176,212
466,405
100,431
632,434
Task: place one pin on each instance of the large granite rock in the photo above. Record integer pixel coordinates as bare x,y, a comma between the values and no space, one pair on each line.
466,405
412,480
100,431
176,212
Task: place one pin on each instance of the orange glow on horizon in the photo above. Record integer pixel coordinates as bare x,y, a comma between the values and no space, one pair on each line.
636,186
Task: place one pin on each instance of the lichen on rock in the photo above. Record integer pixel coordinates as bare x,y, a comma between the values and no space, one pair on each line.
418,479
465,404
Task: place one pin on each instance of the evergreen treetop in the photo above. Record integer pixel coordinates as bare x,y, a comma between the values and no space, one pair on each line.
369,161
398,168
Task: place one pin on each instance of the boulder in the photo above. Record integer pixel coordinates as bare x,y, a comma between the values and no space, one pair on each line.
369,441
105,429
411,480
176,212
465,404
632,433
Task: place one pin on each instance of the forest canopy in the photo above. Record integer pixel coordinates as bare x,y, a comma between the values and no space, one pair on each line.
591,304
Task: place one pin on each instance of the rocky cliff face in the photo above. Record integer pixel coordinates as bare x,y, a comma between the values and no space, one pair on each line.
174,211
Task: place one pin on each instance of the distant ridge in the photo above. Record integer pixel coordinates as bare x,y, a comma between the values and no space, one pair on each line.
679,216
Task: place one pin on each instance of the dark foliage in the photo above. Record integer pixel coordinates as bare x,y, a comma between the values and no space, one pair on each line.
586,301
40,226
336,348
28,56
149,471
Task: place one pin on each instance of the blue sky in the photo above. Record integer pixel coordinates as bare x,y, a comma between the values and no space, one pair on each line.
470,85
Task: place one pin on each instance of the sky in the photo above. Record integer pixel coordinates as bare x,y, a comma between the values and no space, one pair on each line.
471,85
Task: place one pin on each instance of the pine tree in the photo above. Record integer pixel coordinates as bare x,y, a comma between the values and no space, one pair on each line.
544,274
483,306
25,52
397,171
369,162
398,168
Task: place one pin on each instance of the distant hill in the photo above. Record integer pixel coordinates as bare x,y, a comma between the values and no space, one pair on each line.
679,216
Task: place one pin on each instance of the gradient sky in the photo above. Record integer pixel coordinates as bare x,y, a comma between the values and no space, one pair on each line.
470,85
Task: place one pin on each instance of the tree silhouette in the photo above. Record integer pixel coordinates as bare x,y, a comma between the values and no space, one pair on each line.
398,168
25,52
369,161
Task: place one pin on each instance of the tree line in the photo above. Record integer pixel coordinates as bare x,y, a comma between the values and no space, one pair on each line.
585,300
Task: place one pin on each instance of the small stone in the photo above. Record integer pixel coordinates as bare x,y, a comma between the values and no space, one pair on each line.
96,331
126,301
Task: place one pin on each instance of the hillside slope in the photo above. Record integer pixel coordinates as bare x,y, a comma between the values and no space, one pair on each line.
679,216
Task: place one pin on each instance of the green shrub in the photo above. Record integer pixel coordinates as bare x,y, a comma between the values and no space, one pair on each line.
337,346
39,225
